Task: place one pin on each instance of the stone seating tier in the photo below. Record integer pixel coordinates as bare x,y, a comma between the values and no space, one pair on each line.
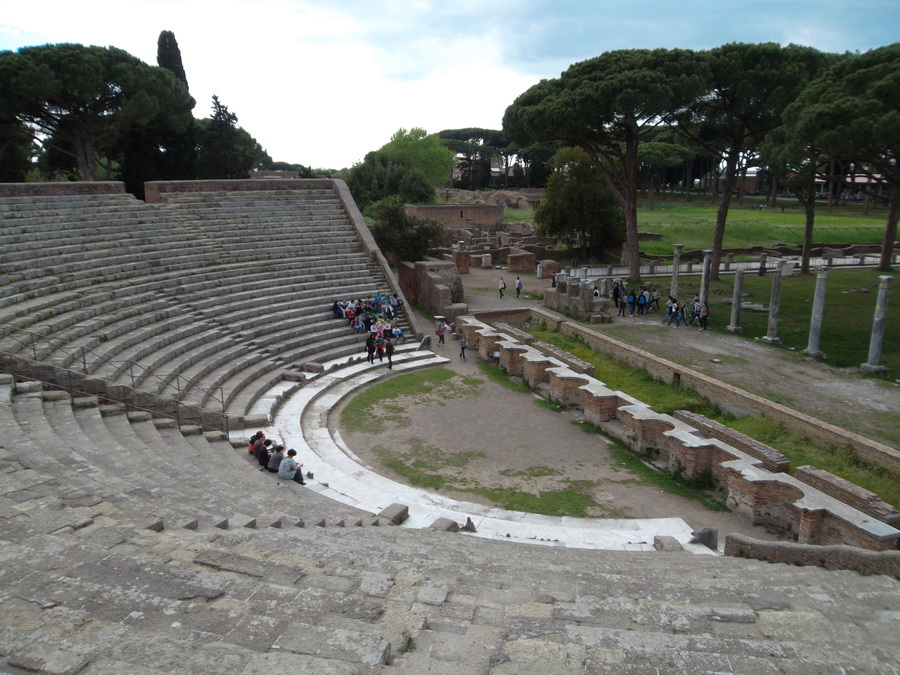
168,331
154,464
166,558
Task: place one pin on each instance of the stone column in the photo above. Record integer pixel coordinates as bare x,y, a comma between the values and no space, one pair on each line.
772,336
676,262
704,279
762,264
873,365
815,322
736,299
604,287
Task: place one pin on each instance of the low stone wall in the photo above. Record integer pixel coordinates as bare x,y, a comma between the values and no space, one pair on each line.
157,191
847,492
727,397
520,261
772,499
61,189
770,457
456,216
829,557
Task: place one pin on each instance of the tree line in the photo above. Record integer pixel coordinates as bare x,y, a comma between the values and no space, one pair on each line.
99,113
794,110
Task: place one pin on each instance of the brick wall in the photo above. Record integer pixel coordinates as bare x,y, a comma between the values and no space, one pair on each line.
847,492
457,216
728,397
764,497
770,457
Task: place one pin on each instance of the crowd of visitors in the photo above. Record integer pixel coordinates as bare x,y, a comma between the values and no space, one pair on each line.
645,299
640,301
272,458
377,316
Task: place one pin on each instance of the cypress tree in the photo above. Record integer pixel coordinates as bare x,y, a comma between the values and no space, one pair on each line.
168,55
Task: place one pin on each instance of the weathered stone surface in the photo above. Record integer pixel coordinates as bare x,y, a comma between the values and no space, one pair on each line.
445,525
345,645
126,573
48,660
667,544
395,513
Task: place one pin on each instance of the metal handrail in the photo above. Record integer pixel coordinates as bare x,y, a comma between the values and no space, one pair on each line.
68,379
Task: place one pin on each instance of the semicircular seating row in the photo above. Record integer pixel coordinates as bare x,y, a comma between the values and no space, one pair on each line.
211,297
128,546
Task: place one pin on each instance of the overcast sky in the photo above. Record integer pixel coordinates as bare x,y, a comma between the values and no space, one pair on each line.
323,82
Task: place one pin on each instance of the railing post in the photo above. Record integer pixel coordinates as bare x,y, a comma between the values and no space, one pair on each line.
84,361
178,399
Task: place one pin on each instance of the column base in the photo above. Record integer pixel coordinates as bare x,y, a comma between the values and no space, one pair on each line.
876,370
734,329
771,340
818,356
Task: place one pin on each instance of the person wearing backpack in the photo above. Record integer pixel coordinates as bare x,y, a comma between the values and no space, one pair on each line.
518,287
630,299
704,315
641,301
501,286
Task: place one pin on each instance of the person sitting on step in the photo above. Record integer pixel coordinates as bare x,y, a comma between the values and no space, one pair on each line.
289,469
262,453
275,459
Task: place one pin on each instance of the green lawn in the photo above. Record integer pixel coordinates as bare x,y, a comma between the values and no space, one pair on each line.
693,224
846,323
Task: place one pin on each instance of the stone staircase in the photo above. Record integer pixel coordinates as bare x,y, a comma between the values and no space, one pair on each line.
211,298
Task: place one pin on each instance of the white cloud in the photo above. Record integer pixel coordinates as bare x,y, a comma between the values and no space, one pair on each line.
323,82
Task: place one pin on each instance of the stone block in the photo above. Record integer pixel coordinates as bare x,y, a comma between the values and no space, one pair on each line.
395,513
549,268
461,258
667,544
444,525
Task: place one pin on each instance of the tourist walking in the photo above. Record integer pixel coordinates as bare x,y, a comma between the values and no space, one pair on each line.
500,286
370,348
518,287
671,304
443,330
462,348
695,310
389,352
704,315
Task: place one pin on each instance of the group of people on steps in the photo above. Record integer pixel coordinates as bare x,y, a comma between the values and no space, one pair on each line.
272,458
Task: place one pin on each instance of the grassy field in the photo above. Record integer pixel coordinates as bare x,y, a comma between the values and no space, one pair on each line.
693,224
850,297
668,398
